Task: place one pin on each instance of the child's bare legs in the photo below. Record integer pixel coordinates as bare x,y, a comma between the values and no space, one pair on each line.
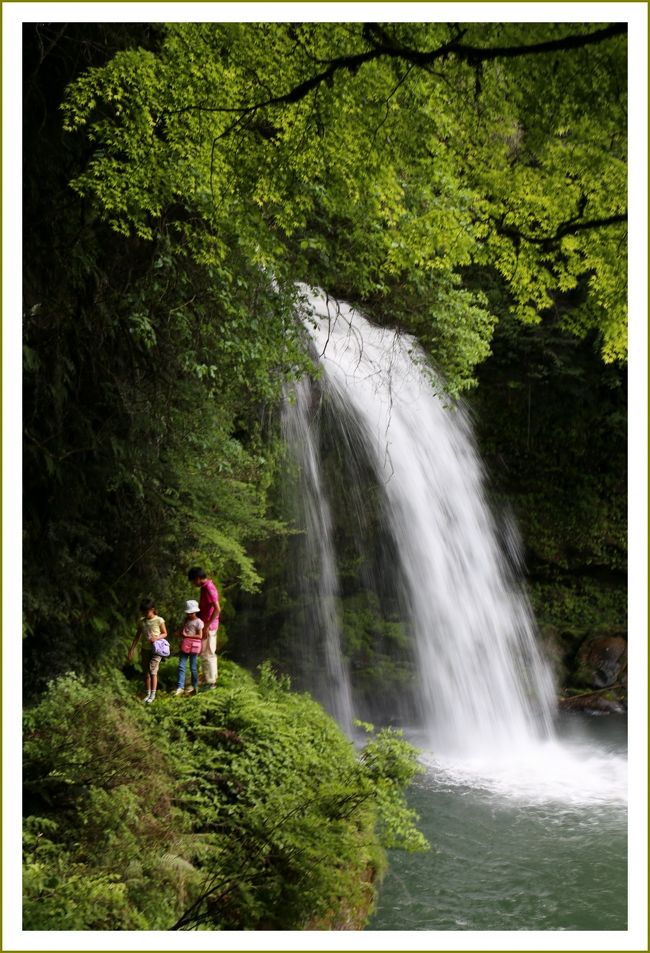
151,682
152,679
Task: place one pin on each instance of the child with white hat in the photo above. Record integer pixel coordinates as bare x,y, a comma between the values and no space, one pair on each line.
191,643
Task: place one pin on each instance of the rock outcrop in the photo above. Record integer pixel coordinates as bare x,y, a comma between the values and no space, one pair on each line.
601,661
590,668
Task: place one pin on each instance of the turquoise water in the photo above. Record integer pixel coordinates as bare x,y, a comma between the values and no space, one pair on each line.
539,848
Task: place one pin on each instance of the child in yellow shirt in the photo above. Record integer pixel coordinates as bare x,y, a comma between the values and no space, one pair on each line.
152,627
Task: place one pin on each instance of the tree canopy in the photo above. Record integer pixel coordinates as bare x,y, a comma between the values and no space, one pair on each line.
370,156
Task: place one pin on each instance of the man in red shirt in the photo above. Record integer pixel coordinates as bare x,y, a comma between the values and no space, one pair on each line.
209,609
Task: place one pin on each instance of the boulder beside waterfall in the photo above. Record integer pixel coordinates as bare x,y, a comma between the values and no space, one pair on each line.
602,660
590,669
593,703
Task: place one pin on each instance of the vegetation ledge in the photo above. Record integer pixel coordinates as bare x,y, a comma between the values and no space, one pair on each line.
244,808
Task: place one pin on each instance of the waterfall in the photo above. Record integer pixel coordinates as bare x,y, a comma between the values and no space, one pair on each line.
321,657
481,682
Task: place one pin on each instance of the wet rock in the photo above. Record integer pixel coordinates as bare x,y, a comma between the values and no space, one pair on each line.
555,653
601,661
593,703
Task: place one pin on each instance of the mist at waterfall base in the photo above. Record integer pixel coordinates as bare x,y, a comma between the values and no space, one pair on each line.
390,496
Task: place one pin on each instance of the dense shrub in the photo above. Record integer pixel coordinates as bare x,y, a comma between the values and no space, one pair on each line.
242,808
100,827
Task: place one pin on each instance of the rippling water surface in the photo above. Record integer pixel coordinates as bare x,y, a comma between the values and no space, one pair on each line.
536,842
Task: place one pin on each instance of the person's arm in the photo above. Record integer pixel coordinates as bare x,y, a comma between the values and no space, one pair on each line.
215,600
138,633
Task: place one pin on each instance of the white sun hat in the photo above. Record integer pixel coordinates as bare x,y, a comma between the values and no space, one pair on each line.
191,606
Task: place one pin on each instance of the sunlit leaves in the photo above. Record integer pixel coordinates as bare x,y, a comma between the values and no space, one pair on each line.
377,172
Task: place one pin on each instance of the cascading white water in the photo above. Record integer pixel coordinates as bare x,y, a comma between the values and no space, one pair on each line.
318,576
483,685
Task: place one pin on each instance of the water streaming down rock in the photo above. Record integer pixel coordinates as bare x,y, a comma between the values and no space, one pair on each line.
482,683
321,643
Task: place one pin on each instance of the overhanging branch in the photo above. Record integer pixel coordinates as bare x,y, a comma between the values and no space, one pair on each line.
571,227
385,46
483,54
474,55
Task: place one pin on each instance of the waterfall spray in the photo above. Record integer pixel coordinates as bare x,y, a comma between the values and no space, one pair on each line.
318,577
481,681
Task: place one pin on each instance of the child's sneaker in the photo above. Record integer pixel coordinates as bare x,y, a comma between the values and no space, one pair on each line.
147,698
150,699
179,691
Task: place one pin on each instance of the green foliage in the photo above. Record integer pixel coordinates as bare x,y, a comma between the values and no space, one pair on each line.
568,530
64,895
242,808
377,650
388,174
146,375
100,818
580,604
297,807
552,426
390,765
